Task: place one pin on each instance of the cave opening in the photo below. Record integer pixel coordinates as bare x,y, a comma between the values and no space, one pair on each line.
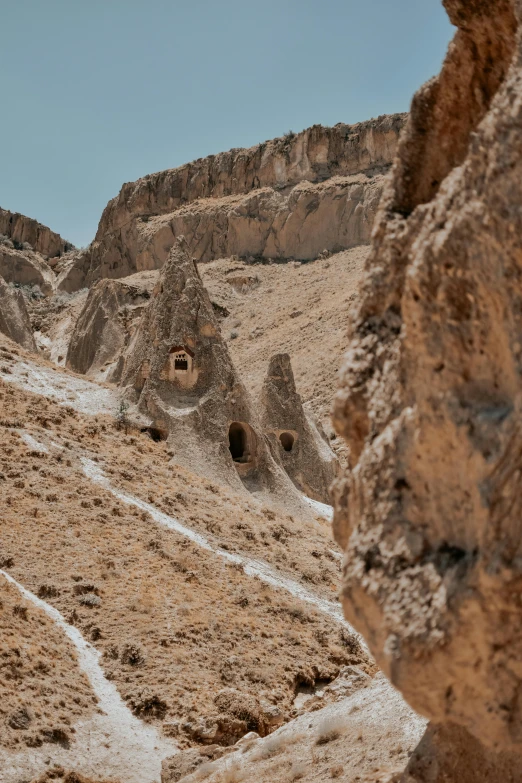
287,440
237,442
156,434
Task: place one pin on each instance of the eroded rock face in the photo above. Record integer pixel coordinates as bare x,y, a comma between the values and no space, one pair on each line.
19,229
179,372
14,318
26,268
106,325
430,395
288,198
296,441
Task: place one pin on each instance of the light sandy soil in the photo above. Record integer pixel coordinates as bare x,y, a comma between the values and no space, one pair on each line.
301,309
174,623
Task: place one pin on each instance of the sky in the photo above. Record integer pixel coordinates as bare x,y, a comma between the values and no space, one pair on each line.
96,93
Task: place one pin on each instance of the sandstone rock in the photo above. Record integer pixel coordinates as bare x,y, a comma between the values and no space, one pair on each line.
430,396
450,753
295,440
20,229
26,268
14,319
106,325
291,197
178,370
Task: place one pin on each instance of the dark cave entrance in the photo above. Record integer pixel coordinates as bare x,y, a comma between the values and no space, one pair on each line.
287,440
237,442
156,434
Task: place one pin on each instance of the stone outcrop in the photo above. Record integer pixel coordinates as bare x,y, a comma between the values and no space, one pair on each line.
288,198
106,325
295,441
21,229
25,267
430,395
179,372
14,318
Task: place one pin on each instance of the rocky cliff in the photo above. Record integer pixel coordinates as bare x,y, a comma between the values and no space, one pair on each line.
288,198
430,395
24,230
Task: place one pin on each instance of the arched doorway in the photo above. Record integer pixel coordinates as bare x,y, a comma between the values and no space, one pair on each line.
237,441
242,445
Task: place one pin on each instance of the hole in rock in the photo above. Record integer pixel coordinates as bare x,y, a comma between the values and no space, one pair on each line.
237,441
155,433
287,441
241,442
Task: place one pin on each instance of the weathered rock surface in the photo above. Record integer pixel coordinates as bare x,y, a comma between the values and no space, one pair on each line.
21,229
288,198
430,396
295,441
450,753
25,267
14,318
178,370
106,325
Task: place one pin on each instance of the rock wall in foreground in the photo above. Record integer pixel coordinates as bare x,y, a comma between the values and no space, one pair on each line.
288,198
430,396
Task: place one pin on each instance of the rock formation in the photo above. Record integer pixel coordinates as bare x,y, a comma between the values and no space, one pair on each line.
106,325
288,198
29,251
14,319
23,230
25,267
178,370
430,395
295,441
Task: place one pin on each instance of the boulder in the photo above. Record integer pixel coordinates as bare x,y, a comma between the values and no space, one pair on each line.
14,318
431,391
296,441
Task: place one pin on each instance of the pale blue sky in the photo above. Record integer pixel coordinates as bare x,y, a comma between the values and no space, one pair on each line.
100,92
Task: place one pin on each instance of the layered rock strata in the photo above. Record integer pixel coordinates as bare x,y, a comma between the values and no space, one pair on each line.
288,198
295,441
14,318
430,395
